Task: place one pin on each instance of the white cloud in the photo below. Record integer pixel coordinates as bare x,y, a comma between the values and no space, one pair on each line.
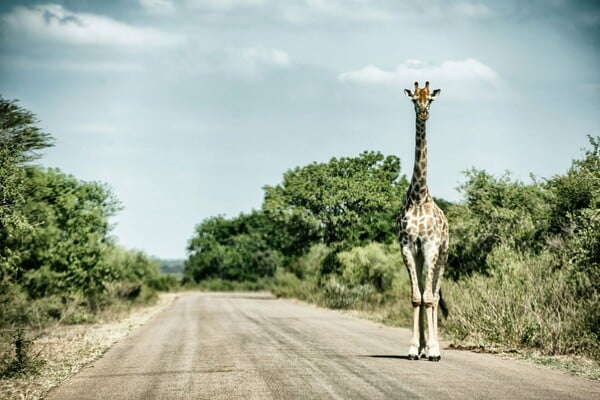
224,5
349,10
471,10
159,7
53,22
415,70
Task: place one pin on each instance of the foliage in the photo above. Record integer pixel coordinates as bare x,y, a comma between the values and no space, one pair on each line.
66,249
231,249
339,204
58,262
495,211
338,294
522,304
542,288
302,278
20,139
373,265
343,203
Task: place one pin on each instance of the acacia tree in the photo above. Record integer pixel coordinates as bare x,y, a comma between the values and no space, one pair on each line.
20,141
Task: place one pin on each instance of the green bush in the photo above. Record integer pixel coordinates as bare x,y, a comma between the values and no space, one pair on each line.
231,250
495,211
288,284
374,264
337,294
309,266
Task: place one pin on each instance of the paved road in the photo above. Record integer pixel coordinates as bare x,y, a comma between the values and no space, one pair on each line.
250,346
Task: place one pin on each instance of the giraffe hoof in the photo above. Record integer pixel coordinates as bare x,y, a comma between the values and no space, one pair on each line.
435,358
413,357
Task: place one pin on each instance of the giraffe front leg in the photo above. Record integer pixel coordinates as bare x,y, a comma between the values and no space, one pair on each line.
414,348
434,355
433,346
430,300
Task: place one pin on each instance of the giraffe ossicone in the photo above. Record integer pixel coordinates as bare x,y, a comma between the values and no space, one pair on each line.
423,236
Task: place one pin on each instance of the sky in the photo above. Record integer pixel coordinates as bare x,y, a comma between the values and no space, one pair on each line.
187,108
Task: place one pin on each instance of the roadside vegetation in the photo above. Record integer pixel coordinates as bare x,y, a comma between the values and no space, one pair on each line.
59,263
524,266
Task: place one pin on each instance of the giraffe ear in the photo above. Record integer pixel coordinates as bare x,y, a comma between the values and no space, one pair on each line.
435,94
408,94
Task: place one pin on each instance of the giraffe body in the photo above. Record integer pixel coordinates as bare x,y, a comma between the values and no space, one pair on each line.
423,236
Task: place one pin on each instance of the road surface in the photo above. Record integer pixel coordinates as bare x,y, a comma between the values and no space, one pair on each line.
251,346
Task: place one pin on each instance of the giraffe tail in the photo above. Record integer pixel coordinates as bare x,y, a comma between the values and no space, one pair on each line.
443,306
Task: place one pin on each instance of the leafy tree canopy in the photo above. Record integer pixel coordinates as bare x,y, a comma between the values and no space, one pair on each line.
345,202
20,138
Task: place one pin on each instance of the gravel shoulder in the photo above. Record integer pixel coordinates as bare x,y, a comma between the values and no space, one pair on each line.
65,349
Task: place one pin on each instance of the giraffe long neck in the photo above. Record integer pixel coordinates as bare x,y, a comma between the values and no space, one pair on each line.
418,186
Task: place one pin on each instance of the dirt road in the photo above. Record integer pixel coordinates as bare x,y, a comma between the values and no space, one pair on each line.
251,346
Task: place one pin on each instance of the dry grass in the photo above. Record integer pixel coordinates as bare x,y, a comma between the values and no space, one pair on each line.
64,350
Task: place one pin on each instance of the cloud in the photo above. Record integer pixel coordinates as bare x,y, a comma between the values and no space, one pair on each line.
347,10
224,5
415,70
158,7
53,22
300,11
471,10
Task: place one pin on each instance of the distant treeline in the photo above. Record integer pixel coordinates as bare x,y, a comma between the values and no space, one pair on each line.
524,264
173,267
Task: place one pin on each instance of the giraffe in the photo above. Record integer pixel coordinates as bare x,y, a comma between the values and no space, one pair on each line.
423,236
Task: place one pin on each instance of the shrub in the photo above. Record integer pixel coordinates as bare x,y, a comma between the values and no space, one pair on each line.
375,265
287,284
337,294
309,266
522,304
18,360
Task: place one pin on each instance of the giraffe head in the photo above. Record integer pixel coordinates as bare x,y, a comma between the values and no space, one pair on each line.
422,99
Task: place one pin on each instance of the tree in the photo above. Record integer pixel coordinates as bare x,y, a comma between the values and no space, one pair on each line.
65,252
232,249
577,190
343,203
494,211
20,141
575,224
